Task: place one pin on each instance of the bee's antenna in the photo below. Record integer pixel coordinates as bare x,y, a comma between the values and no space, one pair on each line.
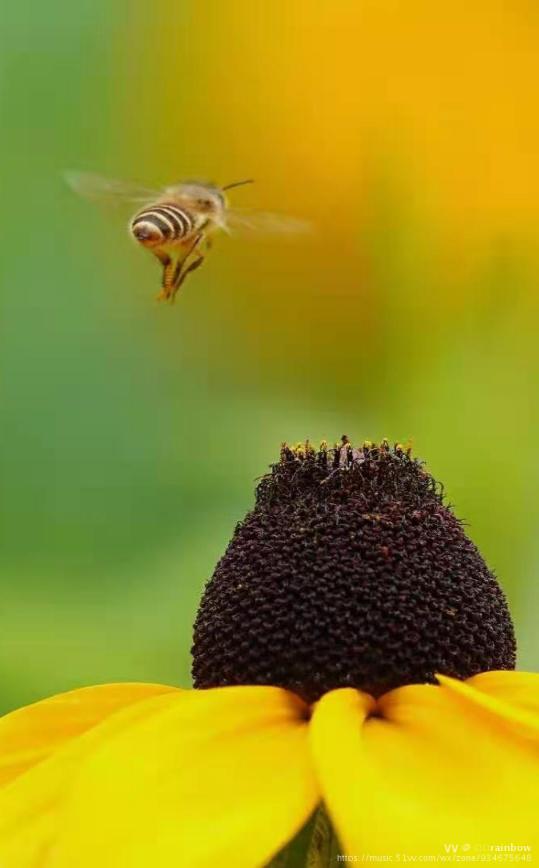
238,184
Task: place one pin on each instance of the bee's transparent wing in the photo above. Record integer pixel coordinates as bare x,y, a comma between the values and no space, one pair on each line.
107,189
265,223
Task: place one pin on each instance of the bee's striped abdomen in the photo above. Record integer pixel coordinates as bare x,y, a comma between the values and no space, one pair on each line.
160,224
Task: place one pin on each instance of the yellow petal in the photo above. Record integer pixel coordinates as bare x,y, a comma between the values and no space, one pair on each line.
30,734
31,806
517,704
432,773
221,777
520,689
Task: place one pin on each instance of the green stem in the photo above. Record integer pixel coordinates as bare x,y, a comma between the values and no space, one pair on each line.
315,846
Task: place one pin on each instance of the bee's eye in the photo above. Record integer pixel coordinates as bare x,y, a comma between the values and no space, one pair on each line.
204,203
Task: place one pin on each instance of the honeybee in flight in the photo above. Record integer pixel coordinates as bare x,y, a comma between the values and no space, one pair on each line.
177,223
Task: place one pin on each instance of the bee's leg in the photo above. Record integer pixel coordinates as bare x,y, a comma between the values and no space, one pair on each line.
169,269
182,274
183,268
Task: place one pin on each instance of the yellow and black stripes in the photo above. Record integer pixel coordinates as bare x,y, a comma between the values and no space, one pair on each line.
162,224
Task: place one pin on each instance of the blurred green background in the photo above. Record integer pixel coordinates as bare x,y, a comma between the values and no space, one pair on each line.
408,133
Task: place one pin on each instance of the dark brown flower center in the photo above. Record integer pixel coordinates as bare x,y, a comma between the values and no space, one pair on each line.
349,571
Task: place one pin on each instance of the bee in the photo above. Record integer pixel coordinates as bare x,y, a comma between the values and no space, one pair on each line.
177,223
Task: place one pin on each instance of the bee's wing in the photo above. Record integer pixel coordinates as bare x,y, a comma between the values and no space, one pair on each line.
107,189
264,223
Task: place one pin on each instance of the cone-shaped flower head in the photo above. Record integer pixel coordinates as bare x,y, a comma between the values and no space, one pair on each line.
350,571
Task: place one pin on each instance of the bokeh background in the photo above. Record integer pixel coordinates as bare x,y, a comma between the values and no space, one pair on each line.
408,133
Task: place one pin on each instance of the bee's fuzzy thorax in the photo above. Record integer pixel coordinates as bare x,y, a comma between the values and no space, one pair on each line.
350,571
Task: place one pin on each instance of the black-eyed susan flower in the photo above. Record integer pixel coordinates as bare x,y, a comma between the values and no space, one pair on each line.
351,649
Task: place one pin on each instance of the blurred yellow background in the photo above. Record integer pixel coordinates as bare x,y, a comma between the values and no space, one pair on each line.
408,133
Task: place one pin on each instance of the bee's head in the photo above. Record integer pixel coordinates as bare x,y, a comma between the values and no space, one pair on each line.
202,198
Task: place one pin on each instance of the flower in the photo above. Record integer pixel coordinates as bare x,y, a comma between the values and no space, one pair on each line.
351,647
